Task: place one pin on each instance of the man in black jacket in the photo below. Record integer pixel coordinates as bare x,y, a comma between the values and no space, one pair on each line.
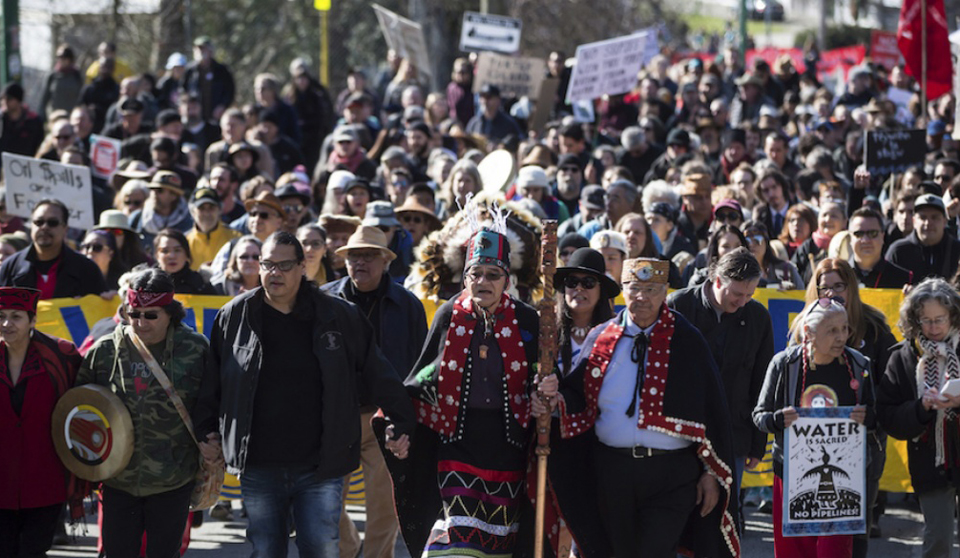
740,335
209,79
396,315
292,366
928,251
48,264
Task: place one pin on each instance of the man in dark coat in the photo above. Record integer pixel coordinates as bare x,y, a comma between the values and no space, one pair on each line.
929,250
48,264
208,79
22,130
662,462
739,332
399,327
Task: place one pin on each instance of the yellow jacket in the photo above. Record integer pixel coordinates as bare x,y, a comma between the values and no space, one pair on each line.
204,246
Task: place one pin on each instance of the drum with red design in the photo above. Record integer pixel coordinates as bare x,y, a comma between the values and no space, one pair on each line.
92,432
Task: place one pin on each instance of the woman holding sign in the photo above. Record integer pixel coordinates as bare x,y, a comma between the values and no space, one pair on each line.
821,371
918,400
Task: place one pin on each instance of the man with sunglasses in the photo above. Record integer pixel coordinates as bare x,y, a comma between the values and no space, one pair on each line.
399,327
739,332
866,232
48,264
291,366
646,401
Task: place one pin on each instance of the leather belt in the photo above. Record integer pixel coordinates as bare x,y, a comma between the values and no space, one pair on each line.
641,452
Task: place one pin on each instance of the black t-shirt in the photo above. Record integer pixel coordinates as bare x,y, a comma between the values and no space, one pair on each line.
287,412
829,386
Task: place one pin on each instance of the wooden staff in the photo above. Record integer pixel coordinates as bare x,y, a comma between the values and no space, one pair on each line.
548,355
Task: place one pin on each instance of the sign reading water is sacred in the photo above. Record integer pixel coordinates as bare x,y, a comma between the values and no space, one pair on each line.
824,471
890,151
30,180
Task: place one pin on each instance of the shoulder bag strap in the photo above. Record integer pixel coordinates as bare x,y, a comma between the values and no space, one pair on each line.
165,383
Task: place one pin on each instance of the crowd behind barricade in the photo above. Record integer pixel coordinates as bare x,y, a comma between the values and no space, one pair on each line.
332,218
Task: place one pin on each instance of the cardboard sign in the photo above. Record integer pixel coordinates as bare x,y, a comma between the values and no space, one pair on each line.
516,76
544,106
884,49
104,155
895,150
824,472
610,67
30,180
490,32
405,37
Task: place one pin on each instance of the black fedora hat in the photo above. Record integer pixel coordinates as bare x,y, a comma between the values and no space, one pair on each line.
587,260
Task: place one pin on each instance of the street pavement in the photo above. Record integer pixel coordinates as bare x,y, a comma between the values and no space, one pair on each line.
901,528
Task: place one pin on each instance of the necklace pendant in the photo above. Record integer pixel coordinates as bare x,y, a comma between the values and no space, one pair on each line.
483,352
854,384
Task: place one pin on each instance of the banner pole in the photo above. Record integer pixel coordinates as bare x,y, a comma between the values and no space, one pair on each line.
923,58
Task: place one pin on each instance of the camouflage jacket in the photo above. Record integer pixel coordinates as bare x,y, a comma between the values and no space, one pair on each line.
164,455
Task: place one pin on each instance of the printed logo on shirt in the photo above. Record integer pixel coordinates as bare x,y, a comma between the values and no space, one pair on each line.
332,340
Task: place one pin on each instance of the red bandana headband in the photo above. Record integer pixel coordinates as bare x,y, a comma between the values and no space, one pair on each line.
19,298
145,299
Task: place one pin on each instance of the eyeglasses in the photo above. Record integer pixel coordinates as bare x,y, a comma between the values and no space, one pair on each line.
51,223
94,247
260,215
133,203
727,216
283,266
756,239
411,219
573,282
136,315
938,321
247,257
835,288
293,208
364,256
635,288
491,276
869,234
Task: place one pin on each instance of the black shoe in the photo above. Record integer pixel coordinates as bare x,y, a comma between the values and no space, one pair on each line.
875,531
765,506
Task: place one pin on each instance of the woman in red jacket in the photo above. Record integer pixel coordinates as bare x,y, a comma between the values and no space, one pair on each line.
35,370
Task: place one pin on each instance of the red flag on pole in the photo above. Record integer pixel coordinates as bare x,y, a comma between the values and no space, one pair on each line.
909,33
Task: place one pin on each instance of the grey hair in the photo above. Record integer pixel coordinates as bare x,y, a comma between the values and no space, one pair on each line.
811,317
660,191
933,288
629,189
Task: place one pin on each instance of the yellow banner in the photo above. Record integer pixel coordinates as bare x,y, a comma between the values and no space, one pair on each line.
73,318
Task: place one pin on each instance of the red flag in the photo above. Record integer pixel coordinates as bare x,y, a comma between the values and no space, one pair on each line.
909,39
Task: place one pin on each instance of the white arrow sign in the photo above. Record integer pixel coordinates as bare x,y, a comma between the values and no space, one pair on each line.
490,32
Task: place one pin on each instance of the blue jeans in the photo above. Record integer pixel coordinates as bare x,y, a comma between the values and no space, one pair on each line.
269,494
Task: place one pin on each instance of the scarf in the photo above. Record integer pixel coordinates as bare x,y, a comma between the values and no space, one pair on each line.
152,222
939,363
821,240
351,163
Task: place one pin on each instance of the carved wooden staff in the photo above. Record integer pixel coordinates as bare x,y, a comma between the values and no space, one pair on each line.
546,359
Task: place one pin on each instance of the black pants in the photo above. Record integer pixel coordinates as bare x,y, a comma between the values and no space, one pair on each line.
161,516
645,503
28,532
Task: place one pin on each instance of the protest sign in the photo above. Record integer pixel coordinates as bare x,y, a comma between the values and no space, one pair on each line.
405,37
516,76
824,470
610,67
30,180
104,155
544,107
890,151
884,49
490,32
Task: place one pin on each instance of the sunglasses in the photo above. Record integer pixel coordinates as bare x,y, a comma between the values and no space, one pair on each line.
293,208
133,203
51,223
411,219
355,256
755,239
727,216
574,282
869,234
247,257
136,315
570,169
312,243
491,276
283,266
260,214
94,247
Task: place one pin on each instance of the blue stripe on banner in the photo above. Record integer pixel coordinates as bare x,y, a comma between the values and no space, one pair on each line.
76,323
190,319
780,309
209,316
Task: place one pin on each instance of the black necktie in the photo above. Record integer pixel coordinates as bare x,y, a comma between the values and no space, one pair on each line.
638,354
777,224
